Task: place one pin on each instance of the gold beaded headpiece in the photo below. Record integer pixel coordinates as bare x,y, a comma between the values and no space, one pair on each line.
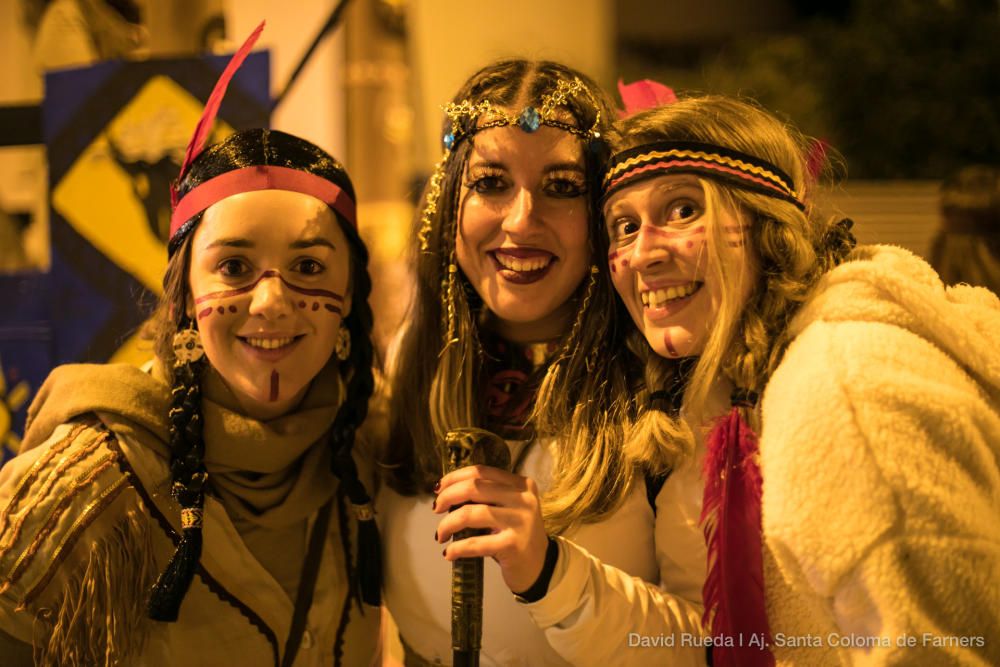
469,118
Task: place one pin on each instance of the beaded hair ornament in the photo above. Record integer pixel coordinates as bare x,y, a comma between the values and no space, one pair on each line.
469,118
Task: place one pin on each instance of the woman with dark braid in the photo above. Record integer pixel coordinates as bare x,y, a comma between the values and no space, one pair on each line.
512,333
208,510
840,402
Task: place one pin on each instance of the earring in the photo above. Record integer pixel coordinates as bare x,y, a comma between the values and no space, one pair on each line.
343,345
187,346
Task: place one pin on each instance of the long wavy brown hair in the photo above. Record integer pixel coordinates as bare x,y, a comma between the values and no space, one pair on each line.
438,378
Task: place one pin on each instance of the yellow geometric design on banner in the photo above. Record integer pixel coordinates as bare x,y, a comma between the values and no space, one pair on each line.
10,402
99,198
104,203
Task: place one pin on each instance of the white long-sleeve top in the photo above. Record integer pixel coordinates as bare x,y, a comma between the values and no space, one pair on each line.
622,591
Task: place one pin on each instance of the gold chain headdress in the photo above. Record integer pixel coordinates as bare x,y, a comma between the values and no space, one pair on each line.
468,118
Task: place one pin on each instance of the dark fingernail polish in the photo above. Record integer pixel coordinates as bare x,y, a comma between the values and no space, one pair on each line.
434,505
437,486
435,536
444,552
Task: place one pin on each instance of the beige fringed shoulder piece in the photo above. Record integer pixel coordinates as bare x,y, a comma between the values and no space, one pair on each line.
76,557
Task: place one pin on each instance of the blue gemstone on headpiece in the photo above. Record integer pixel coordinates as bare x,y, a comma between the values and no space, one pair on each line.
449,140
529,120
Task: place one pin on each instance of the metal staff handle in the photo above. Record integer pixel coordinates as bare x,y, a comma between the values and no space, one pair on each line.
464,447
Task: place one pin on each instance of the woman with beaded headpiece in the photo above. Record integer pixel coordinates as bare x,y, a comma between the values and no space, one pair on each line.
512,333
208,510
840,401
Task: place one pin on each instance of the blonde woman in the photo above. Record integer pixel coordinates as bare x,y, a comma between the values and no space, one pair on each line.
843,403
513,331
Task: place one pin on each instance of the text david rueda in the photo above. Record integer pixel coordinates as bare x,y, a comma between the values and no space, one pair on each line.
686,639
833,639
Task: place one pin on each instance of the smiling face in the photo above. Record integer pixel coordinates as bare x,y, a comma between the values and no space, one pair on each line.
522,237
268,279
664,235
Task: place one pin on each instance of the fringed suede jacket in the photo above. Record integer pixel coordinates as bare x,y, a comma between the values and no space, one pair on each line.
87,523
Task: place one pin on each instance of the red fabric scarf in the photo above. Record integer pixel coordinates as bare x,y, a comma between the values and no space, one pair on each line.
730,515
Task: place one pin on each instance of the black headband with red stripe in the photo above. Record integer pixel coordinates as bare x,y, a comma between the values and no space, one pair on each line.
735,168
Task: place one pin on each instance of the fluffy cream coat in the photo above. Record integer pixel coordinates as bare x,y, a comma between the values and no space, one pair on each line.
880,453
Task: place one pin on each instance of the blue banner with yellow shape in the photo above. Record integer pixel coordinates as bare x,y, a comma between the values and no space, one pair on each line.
115,135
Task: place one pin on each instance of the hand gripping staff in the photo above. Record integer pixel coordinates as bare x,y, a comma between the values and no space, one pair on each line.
465,447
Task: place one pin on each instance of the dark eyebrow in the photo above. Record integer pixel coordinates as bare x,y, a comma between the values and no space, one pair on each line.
231,243
487,164
564,166
680,184
312,242
549,168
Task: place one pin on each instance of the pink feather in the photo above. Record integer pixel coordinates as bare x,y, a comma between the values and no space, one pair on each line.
816,159
204,127
644,94
730,515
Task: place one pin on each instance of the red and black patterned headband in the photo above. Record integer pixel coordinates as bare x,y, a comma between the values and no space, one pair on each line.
687,157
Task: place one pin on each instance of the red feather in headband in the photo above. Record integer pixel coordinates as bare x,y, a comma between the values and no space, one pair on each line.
644,94
204,127
734,589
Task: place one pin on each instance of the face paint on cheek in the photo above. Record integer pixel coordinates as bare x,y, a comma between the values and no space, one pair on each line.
271,273
274,386
669,344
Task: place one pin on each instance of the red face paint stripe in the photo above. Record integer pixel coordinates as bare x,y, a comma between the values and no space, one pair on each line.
226,293
313,292
274,386
270,273
205,313
671,350
332,309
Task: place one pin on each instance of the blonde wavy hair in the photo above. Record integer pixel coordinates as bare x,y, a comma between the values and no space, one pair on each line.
790,248
439,373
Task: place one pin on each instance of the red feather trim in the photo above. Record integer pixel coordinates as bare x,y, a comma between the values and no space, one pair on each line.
730,515
816,158
204,127
644,94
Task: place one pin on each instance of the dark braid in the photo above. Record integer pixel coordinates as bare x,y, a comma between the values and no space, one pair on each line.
187,470
358,367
